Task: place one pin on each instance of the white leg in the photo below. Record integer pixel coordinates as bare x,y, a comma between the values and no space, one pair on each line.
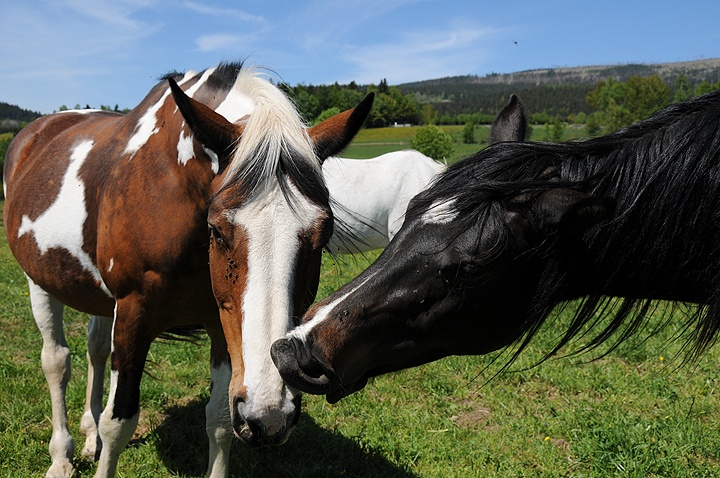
99,338
217,422
115,434
55,357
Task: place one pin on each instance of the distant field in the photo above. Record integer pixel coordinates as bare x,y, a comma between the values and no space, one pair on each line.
373,142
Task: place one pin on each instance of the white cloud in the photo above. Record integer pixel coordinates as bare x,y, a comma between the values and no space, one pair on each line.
63,50
224,42
110,13
225,12
421,55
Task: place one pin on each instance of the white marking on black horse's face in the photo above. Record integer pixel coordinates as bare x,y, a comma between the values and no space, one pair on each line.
61,225
440,212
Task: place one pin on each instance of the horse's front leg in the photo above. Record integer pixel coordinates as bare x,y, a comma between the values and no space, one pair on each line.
131,343
55,358
99,337
217,412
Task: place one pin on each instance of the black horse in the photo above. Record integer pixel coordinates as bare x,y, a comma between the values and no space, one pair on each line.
501,238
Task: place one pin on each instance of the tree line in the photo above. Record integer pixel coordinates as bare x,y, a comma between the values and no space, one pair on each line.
603,107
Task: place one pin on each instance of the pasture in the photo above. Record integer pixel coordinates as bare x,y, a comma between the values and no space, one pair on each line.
376,141
638,412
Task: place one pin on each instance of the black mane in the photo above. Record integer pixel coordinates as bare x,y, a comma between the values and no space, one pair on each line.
223,78
664,243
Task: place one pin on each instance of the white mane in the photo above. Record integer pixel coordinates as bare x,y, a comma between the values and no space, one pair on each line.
272,130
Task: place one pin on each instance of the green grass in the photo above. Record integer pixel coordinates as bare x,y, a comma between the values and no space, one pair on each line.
373,142
634,413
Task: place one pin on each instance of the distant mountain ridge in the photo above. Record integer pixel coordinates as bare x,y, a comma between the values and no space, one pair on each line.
556,91
695,71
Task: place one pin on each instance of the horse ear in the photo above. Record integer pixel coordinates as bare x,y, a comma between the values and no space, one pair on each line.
572,212
335,133
511,124
210,128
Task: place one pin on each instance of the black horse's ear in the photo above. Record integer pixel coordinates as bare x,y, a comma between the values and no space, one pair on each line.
210,128
511,124
572,212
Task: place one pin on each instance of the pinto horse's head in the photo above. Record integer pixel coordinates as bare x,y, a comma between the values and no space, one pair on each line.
269,219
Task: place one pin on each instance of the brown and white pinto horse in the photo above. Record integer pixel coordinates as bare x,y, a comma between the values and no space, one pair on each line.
119,216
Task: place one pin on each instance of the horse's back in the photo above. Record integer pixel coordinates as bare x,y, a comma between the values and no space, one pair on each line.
45,207
373,194
45,135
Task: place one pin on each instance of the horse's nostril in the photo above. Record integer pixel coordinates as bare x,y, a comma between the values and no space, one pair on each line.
257,428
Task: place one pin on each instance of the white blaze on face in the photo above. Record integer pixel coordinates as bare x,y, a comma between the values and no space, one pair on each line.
61,225
273,230
322,313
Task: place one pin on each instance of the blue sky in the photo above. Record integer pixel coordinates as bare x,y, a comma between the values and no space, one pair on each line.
108,52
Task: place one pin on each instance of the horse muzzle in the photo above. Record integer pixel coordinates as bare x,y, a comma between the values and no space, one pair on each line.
302,370
256,432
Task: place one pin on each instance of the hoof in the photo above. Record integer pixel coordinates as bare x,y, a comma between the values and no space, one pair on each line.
62,469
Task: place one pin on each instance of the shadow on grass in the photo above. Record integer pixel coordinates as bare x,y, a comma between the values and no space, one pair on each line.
310,451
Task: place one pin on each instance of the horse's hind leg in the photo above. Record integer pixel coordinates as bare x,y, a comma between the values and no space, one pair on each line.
55,357
99,339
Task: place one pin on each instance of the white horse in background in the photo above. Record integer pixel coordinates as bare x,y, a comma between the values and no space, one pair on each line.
369,197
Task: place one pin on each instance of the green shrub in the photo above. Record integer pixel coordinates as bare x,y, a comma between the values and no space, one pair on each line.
434,142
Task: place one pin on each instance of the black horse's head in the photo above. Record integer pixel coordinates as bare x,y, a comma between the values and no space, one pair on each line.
452,282
457,279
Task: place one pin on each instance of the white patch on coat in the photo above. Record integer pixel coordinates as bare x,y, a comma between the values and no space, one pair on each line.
214,160
79,112
235,106
147,125
185,148
61,225
369,197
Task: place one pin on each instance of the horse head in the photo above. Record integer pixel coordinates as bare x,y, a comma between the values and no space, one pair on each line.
268,221
458,278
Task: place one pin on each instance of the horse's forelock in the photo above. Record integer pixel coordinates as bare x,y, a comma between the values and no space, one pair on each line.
274,140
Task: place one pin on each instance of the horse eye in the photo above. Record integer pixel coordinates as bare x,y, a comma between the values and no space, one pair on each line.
215,234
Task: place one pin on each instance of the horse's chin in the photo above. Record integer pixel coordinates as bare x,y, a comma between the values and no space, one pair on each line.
338,394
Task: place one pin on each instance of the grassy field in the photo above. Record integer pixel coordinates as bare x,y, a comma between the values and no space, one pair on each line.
376,141
634,413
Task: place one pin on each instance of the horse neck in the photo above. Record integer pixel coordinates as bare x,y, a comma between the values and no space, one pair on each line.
661,240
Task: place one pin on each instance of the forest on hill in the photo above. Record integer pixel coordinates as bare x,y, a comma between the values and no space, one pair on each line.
13,118
549,93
